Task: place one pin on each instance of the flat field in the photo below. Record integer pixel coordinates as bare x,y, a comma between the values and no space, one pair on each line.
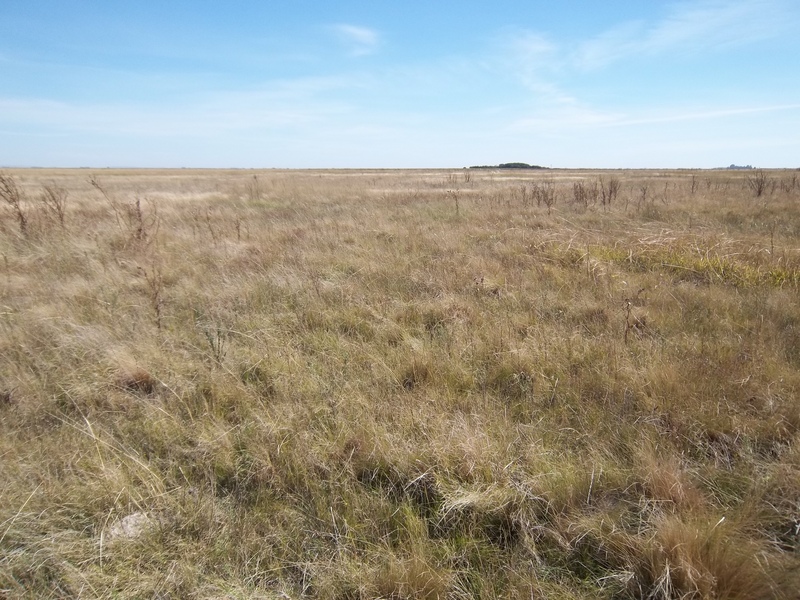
399,384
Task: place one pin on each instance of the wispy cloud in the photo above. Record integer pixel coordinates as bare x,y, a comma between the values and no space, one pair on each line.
577,117
550,70
359,41
535,62
688,28
704,115
563,118
297,103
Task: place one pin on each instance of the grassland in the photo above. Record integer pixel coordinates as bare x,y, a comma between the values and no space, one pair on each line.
399,384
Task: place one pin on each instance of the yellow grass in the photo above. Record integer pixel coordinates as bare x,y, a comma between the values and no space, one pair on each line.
405,384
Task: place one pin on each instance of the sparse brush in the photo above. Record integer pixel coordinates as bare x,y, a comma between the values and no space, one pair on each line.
758,183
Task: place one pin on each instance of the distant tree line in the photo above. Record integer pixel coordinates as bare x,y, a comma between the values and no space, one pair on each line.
511,165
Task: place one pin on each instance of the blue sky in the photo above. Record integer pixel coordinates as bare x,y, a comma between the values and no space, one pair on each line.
301,84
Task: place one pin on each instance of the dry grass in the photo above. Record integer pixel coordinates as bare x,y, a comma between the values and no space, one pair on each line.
399,384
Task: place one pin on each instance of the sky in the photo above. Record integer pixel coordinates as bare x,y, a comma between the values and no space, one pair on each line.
412,84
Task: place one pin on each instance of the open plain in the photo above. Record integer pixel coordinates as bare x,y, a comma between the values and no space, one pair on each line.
470,383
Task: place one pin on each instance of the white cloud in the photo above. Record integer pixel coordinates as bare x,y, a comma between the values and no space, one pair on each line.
359,41
689,27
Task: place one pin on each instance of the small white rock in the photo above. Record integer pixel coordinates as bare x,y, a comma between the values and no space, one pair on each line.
131,527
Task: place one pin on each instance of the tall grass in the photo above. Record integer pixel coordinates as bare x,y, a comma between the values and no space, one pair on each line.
404,384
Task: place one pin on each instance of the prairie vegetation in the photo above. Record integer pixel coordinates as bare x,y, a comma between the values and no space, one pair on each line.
399,384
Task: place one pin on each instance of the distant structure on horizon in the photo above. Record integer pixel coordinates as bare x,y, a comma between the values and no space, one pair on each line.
739,168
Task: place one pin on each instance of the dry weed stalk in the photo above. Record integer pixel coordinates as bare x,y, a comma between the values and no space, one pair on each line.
155,286
545,193
634,321
141,228
253,189
216,337
210,226
13,197
54,199
609,190
454,194
693,185
585,194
